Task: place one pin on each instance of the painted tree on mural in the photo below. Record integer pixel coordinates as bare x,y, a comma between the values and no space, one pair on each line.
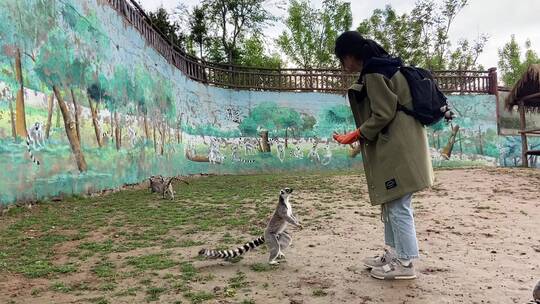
269,116
28,23
143,94
337,118
98,95
166,104
92,45
60,67
287,119
436,130
308,122
123,89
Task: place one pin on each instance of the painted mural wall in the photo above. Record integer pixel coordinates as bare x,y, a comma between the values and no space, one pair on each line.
86,105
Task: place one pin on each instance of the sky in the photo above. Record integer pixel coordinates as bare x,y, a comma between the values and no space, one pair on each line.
499,19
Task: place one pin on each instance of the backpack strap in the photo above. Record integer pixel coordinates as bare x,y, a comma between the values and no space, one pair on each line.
404,109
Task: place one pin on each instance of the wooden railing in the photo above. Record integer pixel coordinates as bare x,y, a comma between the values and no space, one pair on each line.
317,80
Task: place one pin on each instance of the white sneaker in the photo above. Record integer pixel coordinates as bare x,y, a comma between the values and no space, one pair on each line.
394,271
379,260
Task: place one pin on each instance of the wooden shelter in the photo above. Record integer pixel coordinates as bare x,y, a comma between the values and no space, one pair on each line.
526,95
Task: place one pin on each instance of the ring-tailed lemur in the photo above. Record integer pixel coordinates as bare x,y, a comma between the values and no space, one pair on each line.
163,185
249,148
275,236
327,158
214,155
313,154
297,153
281,151
236,157
132,133
35,135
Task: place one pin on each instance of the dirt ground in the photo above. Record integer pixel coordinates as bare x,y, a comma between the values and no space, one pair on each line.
478,231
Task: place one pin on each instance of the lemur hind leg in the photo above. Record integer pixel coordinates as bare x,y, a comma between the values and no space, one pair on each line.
273,244
284,240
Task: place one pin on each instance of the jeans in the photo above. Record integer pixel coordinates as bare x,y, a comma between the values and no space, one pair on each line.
399,231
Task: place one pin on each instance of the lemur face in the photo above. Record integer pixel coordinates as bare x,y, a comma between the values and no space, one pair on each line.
286,191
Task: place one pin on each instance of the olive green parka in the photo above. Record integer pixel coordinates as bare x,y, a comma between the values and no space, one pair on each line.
394,145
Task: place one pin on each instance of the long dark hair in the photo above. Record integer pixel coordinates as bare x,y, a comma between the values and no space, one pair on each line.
352,43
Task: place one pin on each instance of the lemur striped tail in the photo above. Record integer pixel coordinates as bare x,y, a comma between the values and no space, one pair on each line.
246,160
34,160
224,254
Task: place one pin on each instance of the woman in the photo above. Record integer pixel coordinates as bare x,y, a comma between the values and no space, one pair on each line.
394,148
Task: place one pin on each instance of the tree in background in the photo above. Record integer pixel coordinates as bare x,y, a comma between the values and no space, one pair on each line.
421,37
171,29
309,39
511,65
252,53
198,28
405,39
232,20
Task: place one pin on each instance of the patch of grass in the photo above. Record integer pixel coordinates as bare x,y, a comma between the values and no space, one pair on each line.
108,287
153,293
104,269
99,300
319,293
61,287
261,267
151,262
188,271
94,247
199,296
238,281
180,286
128,292
66,268
173,243
36,291
39,268
248,301
235,204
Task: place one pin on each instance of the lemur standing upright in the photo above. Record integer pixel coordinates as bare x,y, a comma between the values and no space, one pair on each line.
275,236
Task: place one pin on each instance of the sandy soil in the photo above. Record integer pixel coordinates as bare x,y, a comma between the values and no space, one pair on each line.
478,230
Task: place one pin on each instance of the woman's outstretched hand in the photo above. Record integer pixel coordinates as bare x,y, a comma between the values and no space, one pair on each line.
347,139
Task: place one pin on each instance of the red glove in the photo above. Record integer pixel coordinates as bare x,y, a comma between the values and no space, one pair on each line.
348,138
